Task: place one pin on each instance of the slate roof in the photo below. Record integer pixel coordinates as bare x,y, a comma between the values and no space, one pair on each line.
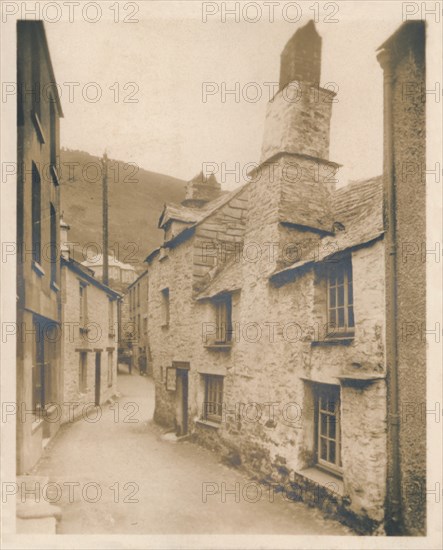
179,213
112,262
193,215
227,279
88,274
358,209
357,215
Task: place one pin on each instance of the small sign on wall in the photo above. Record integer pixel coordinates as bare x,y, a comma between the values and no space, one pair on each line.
171,378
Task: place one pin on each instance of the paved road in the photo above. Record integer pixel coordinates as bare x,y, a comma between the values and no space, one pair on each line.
143,484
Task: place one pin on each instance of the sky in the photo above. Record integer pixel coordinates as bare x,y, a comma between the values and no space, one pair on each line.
139,89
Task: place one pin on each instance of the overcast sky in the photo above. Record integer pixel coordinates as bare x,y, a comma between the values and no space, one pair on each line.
164,59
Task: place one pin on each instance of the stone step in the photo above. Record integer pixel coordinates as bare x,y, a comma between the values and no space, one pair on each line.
42,526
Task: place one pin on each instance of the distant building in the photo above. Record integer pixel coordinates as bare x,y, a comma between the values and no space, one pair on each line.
120,274
135,322
39,375
90,336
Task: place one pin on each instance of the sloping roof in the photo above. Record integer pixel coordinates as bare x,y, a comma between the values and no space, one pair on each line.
196,215
112,262
358,208
227,279
87,274
186,214
23,25
179,213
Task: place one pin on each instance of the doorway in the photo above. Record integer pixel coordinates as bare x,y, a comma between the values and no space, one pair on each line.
182,401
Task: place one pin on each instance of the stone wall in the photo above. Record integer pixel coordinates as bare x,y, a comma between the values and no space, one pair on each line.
408,137
297,121
217,238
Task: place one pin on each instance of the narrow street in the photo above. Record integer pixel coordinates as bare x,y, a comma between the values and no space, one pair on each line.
140,483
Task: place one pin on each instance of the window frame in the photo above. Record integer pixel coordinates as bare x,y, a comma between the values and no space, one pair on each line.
53,247
329,393
44,358
36,214
339,267
83,372
165,307
111,328
83,312
223,319
214,389
110,368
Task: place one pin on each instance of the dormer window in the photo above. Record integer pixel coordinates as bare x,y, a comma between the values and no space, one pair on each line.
223,320
340,301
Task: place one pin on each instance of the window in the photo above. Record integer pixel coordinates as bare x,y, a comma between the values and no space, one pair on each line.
145,326
139,326
111,317
165,307
213,404
340,297
44,358
53,139
53,247
83,306
36,215
83,372
328,427
138,294
35,74
223,320
110,368
52,131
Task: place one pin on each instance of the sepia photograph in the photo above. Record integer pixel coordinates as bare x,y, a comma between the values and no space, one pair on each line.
221,283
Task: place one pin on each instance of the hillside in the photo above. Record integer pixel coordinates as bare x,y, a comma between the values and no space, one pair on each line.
136,199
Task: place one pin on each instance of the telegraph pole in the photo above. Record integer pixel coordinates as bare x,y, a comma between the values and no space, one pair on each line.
105,277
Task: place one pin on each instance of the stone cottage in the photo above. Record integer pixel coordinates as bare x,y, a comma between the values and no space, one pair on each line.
90,337
267,311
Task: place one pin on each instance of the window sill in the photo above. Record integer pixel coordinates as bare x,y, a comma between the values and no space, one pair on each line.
219,346
54,174
360,379
208,423
38,269
38,127
36,424
338,340
331,482
55,287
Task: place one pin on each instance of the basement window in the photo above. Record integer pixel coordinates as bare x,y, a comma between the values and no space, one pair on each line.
213,403
328,430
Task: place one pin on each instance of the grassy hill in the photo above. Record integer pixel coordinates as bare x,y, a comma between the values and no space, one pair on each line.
136,199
